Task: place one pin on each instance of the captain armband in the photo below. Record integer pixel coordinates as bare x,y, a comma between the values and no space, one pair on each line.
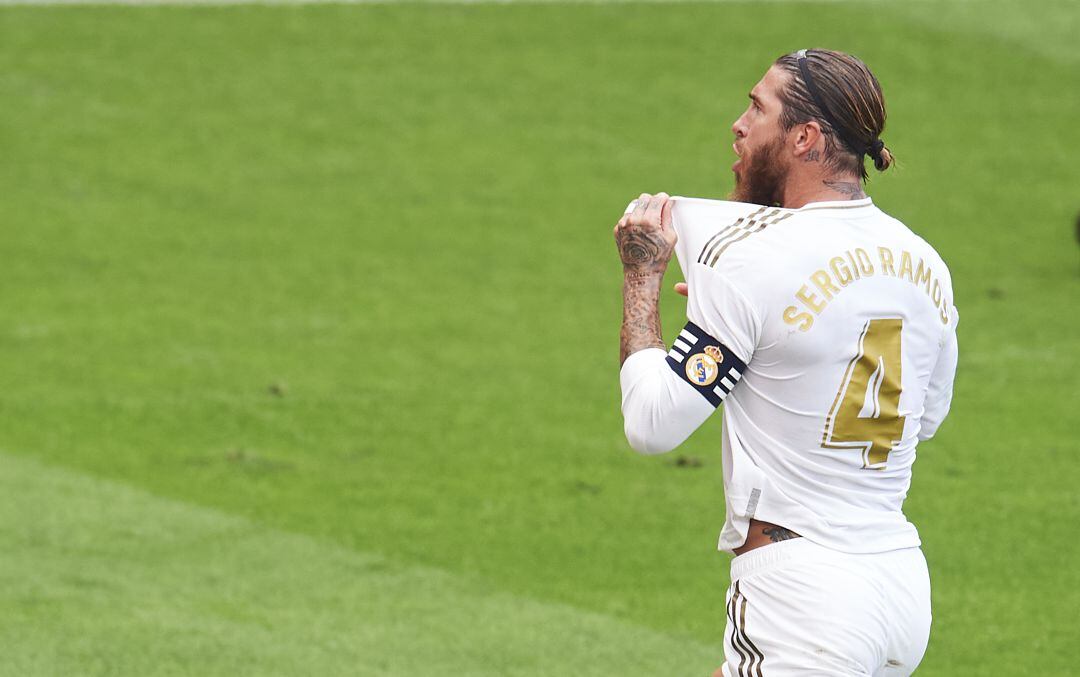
700,360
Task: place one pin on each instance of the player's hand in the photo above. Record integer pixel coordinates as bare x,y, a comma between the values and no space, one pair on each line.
645,237
682,288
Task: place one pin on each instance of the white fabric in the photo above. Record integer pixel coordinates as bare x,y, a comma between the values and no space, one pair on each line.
754,292
798,609
660,410
939,391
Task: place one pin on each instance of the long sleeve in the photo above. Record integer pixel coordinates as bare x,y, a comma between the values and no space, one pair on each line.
660,410
940,390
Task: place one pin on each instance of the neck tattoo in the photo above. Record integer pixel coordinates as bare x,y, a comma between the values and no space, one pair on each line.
852,189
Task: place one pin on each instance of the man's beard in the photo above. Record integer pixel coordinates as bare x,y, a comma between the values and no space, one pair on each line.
762,178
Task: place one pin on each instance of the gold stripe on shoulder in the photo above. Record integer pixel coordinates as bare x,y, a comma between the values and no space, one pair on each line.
740,234
706,250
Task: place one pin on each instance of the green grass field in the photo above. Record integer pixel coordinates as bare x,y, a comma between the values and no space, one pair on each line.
309,345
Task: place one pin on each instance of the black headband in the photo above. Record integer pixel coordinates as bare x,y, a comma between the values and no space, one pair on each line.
875,147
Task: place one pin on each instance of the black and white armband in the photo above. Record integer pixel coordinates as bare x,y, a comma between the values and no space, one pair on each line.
659,410
700,360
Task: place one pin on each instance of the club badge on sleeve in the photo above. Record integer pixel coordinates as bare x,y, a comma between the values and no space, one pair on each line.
700,360
701,369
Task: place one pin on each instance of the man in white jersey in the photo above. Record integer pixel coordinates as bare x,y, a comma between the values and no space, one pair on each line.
827,328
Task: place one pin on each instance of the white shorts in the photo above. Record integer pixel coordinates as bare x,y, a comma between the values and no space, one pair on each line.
798,608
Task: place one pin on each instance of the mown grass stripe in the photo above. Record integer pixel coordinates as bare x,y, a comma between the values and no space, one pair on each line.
108,578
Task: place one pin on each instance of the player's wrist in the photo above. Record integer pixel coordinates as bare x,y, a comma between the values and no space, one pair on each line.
636,274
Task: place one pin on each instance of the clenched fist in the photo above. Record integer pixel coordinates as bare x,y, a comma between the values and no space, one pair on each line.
645,237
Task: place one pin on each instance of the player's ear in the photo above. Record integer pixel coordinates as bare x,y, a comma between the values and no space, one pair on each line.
815,132
806,137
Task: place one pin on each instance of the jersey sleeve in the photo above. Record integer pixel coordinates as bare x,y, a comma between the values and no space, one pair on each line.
718,300
939,392
716,304
666,396
659,409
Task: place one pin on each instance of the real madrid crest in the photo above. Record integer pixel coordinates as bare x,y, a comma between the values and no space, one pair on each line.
701,368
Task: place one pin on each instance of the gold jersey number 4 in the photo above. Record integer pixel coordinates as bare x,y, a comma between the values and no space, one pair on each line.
865,414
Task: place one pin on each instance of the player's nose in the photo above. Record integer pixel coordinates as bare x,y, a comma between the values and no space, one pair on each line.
738,128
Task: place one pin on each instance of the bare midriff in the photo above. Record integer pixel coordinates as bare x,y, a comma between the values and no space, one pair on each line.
764,533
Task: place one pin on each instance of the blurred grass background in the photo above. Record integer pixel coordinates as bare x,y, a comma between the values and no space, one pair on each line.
309,360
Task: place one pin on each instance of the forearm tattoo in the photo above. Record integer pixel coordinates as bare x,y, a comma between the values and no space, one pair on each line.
645,253
641,314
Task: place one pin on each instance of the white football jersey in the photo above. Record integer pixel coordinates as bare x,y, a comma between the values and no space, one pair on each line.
828,332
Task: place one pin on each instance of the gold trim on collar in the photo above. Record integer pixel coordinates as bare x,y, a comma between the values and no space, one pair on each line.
810,209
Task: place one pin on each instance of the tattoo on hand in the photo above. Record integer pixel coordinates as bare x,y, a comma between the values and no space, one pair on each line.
852,189
777,534
642,250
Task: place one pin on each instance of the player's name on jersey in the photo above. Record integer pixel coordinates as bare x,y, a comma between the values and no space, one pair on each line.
853,265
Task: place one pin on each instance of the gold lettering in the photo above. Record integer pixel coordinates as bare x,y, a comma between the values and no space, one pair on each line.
865,266
886,261
905,266
807,297
841,271
936,294
945,312
804,320
922,276
821,279
854,268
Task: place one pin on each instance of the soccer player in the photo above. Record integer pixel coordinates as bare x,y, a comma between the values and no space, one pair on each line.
827,328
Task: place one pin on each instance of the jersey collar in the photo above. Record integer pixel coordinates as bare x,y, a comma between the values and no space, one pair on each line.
837,204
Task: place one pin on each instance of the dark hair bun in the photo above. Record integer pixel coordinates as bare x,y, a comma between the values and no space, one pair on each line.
883,159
